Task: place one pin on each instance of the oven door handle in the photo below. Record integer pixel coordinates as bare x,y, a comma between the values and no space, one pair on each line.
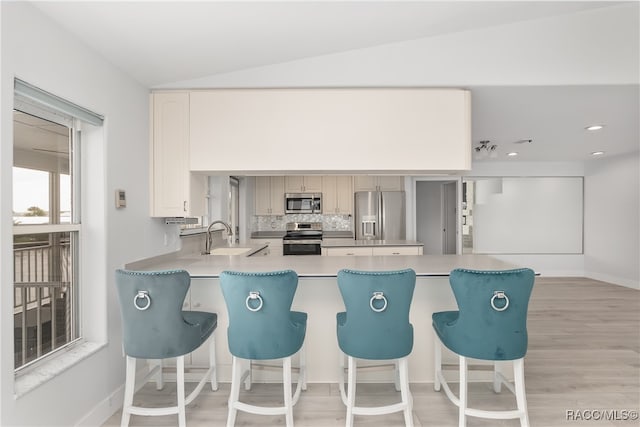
301,242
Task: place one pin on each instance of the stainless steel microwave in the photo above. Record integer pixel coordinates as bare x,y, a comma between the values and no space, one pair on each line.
303,203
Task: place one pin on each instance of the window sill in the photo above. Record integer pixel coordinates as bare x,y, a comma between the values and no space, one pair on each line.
28,381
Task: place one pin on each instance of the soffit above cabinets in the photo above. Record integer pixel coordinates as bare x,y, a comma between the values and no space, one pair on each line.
305,131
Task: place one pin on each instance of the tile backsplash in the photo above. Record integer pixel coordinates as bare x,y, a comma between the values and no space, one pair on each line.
278,223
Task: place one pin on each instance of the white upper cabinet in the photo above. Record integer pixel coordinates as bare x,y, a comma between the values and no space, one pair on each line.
269,195
357,131
303,184
378,183
337,195
175,191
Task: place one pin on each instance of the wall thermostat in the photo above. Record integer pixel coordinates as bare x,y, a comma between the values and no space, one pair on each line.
121,199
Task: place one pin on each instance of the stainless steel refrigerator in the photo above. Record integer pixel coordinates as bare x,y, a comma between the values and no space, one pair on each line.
380,215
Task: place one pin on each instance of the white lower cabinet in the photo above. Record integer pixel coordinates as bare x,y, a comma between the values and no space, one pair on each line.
369,251
397,250
201,298
355,251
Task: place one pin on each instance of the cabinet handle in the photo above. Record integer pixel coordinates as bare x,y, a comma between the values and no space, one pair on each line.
184,206
350,253
395,253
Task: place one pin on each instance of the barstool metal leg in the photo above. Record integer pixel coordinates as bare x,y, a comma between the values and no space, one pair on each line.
286,385
521,398
159,375
407,399
437,363
497,381
462,420
303,367
351,390
234,394
128,390
212,362
182,415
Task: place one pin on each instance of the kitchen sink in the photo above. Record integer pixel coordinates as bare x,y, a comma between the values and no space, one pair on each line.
230,251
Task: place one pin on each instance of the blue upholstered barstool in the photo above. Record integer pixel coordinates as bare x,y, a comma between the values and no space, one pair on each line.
155,327
263,327
491,324
376,326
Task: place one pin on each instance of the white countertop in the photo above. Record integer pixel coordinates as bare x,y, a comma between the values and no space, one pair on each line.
204,266
350,243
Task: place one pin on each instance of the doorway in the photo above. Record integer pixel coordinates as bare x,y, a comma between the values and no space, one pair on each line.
436,216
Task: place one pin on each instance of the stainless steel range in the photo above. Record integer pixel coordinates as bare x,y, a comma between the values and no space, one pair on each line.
302,238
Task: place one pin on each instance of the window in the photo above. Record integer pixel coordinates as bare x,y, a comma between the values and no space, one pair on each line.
47,225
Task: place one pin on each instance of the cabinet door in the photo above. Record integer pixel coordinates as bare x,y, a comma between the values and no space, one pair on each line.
397,250
277,195
294,184
364,183
344,195
349,251
262,195
312,184
174,190
329,196
389,183
378,183
303,184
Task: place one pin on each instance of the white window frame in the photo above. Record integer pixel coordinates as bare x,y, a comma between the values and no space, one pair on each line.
34,101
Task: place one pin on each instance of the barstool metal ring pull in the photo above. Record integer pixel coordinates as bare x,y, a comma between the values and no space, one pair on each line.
378,296
499,295
143,295
253,295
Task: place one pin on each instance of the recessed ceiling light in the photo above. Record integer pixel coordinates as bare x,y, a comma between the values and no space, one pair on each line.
597,153
594,127
512,154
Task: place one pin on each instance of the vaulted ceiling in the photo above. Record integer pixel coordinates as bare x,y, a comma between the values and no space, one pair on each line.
524,84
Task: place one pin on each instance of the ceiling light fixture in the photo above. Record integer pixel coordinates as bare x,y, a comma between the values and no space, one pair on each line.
512,154
486,149
594,127
597,153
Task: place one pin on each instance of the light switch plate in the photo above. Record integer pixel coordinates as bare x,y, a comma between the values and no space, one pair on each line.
121,199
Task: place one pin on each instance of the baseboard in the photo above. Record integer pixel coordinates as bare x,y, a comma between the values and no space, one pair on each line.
100,413
627,283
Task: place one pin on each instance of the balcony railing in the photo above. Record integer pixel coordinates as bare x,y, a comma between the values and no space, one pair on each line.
42,303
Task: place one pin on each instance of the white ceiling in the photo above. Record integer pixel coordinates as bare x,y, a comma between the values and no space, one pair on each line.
160,42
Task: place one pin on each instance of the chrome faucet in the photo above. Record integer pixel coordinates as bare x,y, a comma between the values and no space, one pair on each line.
207,242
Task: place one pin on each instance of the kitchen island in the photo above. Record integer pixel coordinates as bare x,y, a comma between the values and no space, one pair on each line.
318,295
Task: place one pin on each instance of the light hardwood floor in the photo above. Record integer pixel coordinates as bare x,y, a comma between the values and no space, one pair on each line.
584,354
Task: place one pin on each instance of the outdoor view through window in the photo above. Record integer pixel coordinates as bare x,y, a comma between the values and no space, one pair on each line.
45,241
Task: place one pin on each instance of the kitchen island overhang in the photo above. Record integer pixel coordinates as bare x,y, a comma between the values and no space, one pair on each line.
318,295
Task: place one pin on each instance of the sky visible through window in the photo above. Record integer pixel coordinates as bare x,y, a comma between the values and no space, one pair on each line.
31,188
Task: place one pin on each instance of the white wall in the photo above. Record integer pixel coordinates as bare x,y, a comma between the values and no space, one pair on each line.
612,217
39,52
545,264
551,51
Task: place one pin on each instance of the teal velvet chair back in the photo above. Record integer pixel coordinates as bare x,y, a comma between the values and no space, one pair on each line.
153,323
480,330
261,323
376,334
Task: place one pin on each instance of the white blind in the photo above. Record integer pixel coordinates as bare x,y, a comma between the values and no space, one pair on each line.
26,92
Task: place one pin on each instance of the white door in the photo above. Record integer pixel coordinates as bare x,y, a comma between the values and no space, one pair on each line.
449,201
